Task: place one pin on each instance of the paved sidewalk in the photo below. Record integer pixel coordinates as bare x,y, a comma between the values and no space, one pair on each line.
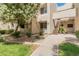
46,46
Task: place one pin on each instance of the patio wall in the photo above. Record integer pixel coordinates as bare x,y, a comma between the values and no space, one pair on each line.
6,26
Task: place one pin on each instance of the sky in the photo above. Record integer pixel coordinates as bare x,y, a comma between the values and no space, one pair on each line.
60,4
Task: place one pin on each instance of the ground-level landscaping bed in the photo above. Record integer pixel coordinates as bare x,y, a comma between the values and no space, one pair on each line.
68,49
15,49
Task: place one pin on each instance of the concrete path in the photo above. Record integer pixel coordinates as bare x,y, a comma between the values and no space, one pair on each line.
47,44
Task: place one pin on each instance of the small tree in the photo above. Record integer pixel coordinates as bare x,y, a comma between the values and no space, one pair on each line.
19,13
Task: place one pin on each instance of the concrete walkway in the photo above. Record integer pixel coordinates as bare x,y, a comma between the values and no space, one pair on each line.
46,46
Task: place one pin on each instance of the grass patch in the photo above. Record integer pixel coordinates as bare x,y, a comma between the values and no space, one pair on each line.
68,49
15,50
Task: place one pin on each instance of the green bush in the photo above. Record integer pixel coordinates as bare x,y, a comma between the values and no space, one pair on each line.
1,39
16,34
2,31
61,30
68,49
77,34
10,31
6,31
29,34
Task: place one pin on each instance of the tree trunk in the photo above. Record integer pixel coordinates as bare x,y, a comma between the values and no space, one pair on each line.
17,25
17,28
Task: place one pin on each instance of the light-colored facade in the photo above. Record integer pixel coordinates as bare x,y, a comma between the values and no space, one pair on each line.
45,17
7,26
68,16
50,18
53,17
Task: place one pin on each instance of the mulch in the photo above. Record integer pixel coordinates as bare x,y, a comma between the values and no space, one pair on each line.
18,40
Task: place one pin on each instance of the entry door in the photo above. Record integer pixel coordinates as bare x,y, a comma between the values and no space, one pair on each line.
43,26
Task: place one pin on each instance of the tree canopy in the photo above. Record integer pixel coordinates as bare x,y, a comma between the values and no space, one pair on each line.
18,12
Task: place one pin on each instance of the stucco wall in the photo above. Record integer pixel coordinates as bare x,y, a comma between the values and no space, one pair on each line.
51,10
35,26
64,14
77,24
42,17
76,5
65,7
6,26
65,23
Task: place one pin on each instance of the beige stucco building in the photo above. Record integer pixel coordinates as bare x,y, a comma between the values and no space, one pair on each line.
50,17
7,26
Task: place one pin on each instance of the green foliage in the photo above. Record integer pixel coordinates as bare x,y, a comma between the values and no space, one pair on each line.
9,31
61,30
19,13
2,31
6,31
68,49
1,39
16,34
29,33
77,34
15,50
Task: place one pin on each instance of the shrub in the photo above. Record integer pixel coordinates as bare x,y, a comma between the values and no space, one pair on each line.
1,39
77,34
2,31
61,30
10,31
6,31
29,34
16,34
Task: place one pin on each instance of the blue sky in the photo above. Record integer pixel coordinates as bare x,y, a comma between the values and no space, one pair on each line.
60,4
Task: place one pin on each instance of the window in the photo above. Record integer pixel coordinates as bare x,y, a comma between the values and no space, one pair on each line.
43,10
70,25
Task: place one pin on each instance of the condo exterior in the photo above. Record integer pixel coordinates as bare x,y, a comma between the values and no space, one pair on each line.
51,16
